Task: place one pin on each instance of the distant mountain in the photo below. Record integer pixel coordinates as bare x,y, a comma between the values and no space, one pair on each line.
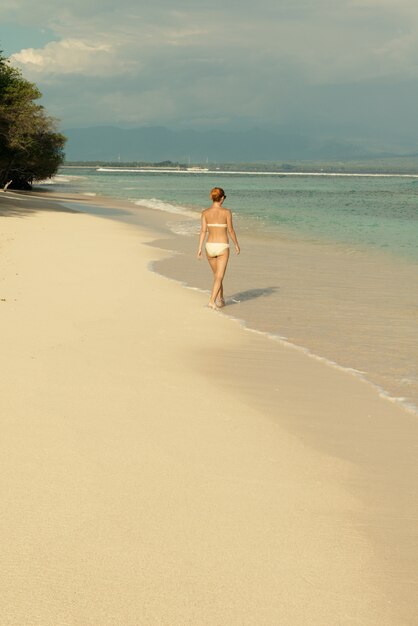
108,143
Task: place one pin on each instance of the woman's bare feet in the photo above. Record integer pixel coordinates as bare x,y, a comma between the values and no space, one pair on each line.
212,305
220,302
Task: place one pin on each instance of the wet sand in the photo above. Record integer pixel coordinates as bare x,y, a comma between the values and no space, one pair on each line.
354,308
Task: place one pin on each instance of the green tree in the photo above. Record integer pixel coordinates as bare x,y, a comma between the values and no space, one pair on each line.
30,147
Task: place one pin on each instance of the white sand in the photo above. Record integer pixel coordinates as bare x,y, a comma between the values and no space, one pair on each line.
161,466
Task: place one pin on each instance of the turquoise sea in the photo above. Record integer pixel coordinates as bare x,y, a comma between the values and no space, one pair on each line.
372,211
329,263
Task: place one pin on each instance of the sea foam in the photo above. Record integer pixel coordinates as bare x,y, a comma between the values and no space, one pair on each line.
160,205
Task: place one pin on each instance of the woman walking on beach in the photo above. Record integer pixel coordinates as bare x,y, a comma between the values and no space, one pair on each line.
217,223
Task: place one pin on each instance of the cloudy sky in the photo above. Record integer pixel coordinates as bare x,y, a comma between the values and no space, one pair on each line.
339,67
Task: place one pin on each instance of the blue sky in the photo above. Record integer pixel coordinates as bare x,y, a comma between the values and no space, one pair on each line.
346,68
15,37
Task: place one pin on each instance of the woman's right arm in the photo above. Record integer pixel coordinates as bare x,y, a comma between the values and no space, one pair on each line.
231,231
203,229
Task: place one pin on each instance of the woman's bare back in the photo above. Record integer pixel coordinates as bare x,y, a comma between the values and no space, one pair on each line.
218,221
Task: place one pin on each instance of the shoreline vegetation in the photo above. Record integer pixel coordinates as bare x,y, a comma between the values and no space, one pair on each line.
387,165
31,148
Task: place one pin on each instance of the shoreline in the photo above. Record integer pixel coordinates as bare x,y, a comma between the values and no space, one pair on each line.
164,467
381,275
402,403
176,266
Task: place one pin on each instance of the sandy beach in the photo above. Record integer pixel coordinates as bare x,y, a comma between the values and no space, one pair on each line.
161,465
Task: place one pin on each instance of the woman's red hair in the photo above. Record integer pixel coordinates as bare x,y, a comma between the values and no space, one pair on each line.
217,194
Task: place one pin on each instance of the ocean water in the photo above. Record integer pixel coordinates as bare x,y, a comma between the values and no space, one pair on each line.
328,264
362,211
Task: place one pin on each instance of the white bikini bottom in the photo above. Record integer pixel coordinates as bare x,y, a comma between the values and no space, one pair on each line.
216,249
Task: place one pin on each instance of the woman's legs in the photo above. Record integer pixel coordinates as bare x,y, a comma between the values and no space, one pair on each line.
213,262
218,265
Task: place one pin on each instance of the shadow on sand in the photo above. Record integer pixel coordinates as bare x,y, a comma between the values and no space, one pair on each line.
250,294
21,204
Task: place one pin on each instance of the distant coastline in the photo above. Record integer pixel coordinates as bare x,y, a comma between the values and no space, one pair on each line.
406,166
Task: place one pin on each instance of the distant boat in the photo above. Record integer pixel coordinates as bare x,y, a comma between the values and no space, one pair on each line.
197,169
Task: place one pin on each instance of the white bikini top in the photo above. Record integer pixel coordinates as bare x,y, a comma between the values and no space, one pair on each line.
224,225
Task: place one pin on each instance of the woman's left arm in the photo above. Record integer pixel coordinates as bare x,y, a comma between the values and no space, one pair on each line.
231,231
203,229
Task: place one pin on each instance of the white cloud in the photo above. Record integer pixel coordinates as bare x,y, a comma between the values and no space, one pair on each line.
69,56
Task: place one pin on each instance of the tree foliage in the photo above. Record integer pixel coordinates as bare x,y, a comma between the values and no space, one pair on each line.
30,147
